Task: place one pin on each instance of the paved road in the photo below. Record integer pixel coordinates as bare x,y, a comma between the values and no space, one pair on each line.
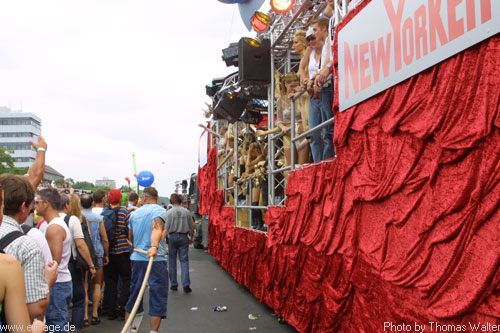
193,312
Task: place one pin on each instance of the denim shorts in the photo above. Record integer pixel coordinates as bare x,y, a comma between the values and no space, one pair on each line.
99,262
158,287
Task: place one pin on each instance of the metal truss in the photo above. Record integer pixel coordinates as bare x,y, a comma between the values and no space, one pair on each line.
281,34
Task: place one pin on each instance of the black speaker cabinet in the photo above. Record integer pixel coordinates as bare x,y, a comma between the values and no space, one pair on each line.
254,62
251,117
229,108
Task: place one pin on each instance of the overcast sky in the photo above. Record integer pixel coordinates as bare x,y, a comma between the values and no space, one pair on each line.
109,78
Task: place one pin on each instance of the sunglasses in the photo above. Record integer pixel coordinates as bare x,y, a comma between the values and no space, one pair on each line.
310,38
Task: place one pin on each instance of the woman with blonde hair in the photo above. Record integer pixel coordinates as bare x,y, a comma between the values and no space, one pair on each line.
299,43
301,47
77,225
101,245
254,156
290,86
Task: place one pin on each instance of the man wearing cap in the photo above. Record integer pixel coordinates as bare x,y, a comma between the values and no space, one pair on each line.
119,259
315,119
146,226
323,30
180,228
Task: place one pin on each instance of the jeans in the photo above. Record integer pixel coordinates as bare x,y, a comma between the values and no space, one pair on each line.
119,266
320,110
57,312
326,98
78,300
314,120
158,287
178,243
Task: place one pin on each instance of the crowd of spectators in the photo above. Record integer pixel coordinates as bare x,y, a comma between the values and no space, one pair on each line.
52,270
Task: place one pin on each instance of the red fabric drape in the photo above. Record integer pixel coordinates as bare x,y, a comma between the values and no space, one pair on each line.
402,227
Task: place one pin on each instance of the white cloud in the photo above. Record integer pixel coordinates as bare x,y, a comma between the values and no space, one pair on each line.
109,78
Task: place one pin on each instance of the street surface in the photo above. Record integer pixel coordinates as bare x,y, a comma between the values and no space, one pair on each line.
191,313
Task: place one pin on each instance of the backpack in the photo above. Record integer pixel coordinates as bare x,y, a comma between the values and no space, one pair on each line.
4,242
9,238
110,218
78,261
12,236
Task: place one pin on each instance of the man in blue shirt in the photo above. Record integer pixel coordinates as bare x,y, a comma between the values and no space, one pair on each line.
146,227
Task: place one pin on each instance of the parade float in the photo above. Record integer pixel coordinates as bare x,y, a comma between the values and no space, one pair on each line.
399,232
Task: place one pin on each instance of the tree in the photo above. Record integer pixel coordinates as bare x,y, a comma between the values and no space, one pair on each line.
84,186
59,181
125,189
103,188
70,181
7,164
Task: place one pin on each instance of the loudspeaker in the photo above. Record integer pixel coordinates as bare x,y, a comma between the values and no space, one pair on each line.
251,117
254,62
229,107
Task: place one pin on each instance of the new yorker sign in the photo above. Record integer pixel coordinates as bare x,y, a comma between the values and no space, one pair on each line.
391,40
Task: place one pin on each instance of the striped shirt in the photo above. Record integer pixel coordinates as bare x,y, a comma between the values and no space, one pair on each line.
121,239
29,254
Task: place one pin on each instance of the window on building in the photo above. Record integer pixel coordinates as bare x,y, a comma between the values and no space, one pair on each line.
16,145
17,135
20,121
23,159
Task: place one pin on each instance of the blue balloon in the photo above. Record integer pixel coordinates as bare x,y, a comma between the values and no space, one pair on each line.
145,178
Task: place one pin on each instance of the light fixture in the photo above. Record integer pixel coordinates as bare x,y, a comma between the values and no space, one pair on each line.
230,55
253,42
260,21
281,6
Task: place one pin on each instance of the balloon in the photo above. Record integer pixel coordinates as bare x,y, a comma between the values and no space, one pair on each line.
127,179
145,178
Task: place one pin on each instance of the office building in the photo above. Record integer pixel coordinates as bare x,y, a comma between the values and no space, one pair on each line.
17,129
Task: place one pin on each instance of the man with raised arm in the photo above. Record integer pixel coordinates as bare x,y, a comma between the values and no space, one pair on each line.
146,226
18,202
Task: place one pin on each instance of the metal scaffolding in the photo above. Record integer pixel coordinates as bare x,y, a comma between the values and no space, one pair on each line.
281,35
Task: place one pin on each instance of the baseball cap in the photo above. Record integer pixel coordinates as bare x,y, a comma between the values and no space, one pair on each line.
115,197
309,32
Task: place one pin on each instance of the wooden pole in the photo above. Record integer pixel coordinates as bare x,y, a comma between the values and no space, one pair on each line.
141,293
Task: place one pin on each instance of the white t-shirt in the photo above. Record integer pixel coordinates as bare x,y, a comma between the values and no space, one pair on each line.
327,51
314,65
97,210
63,274
325,55
37,235
75,229
331,29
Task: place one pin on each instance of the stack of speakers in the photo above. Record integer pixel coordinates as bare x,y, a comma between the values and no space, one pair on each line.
254,69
